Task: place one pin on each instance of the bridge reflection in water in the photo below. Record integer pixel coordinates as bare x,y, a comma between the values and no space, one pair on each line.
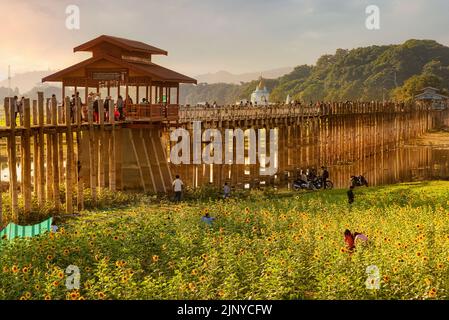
377,145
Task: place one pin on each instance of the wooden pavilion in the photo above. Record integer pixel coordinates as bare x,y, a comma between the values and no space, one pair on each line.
118,63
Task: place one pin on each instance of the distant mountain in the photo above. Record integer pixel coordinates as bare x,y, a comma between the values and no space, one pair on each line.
227,77
27,80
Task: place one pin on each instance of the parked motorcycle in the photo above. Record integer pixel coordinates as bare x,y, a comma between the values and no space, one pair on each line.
315,184
358,181
301,184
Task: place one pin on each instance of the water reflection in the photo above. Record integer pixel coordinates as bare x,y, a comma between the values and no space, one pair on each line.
403,164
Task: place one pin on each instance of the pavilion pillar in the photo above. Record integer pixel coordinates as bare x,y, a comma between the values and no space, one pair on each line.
109,89
151,93
137,94
177,94
146,92
86,92
156,94
161,93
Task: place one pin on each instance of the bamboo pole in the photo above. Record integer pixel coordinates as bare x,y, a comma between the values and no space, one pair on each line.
69,160
92,150
112,166
56,199
26,147
101,148
7,107
41,154
12,157
80,181
49,145
35,152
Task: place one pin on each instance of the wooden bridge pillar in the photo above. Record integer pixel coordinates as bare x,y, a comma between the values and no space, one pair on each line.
69,158
12,160
25,141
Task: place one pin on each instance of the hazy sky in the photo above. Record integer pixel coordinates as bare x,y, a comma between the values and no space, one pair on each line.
209,35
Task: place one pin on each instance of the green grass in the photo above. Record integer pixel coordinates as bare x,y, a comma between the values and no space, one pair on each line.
263,245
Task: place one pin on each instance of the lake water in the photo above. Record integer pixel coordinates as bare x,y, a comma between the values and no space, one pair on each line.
426,158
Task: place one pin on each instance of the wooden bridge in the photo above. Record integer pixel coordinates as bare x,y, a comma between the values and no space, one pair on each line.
293,111
53,149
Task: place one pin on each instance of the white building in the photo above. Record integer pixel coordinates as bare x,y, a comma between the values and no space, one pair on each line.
260,96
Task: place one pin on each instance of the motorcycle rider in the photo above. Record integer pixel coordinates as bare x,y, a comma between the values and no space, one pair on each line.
303,178
324,175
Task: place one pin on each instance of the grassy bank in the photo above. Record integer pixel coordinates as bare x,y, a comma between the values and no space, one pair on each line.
263,245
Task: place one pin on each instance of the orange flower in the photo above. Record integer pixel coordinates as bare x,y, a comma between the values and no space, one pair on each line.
155,258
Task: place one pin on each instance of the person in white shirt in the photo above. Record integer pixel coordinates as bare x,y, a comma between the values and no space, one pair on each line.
177,188
226,191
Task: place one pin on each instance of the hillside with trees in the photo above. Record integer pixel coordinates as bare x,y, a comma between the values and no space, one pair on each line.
371,73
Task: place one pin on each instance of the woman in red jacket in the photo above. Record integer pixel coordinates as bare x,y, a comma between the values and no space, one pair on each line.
349,240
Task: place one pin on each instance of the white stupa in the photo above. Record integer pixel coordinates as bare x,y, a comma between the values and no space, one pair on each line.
288,100
260,95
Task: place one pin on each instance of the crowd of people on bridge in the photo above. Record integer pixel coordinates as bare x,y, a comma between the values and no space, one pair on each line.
119,107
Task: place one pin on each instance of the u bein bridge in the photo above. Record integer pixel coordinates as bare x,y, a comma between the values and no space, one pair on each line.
50,149
66,149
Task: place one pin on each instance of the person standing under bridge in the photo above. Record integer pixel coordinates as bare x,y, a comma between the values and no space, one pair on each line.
177,188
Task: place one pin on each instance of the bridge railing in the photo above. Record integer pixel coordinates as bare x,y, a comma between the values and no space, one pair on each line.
230,113
281,111
152,112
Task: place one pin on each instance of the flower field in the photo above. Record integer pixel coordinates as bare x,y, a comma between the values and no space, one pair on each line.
265,245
